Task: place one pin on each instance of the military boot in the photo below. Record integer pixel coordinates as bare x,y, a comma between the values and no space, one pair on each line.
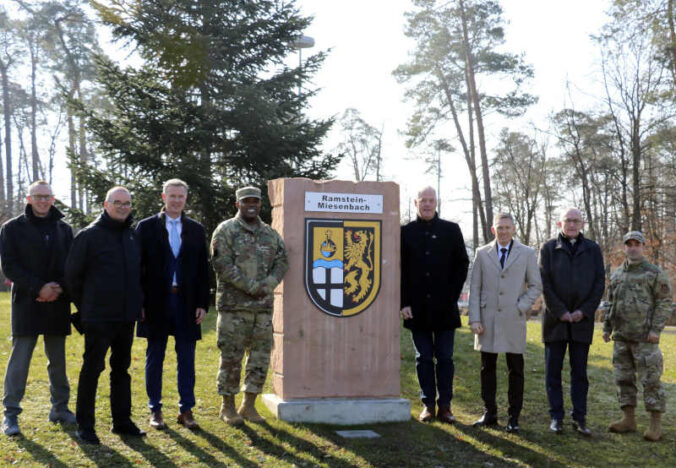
228,413
626,424
248,411
654,431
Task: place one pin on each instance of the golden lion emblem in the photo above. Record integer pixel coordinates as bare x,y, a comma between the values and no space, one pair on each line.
359,263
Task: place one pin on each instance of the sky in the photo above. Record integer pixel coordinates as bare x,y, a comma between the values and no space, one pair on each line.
366,41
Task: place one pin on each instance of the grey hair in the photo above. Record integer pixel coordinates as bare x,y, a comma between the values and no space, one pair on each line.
503,215
117,188
174,183
38,182
426,188
565,211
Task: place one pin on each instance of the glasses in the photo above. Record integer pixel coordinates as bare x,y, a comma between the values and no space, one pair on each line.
41,197
120,204
572,221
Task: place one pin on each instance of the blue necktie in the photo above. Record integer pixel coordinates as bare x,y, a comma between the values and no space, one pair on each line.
502,258
174,238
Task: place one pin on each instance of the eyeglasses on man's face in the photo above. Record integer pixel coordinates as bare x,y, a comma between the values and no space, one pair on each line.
121,204
41,197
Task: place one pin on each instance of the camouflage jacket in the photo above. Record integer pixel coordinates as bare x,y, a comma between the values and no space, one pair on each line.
640,301
249,261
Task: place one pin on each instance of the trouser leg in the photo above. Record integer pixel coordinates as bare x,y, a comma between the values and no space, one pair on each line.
650,368
185,357
258,356
424,365
554,353
120,380
516,383
59,388
17,373
579,382
489,382
97,342
624,371
155,352
443,352
234,332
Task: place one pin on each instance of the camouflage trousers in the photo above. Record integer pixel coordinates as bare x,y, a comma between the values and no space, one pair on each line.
645,359
243,333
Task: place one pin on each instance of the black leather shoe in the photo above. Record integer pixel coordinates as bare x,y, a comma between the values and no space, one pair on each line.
581,428
556,426
486,420
128,428
512,426
88,436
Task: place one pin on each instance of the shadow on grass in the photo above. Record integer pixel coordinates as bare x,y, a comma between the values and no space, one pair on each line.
274,444
39,453
101,455
149,452
204,456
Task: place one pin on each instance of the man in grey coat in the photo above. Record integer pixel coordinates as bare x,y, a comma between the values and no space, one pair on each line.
504,285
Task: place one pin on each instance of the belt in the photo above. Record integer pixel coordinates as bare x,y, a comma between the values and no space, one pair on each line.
174,289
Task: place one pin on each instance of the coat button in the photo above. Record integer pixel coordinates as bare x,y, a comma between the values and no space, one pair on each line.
501,293
499,310
427,252
427,273
428,296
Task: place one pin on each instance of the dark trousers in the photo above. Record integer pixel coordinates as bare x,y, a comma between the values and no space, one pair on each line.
118,336
185,357
431,345
489,382
579,383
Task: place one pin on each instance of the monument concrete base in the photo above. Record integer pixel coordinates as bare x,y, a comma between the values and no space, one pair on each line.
342,411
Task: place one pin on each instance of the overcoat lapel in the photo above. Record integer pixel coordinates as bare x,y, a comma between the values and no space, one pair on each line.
493,255
514,254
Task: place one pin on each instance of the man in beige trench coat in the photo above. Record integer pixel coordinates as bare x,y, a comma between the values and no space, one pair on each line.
504,285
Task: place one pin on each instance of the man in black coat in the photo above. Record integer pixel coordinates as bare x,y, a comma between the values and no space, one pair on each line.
573,280
33,249
434,266
175,278
103,276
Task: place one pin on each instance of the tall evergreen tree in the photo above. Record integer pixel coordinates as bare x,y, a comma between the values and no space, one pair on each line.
213,103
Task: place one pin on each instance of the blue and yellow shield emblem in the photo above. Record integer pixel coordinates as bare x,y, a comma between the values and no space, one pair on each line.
342,264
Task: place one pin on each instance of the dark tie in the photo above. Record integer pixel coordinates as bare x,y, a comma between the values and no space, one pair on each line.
503,256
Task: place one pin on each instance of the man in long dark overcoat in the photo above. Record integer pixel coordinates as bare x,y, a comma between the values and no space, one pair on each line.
175,278
573,280
434,266
33,249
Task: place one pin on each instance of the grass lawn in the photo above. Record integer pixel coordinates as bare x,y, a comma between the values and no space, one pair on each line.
277,443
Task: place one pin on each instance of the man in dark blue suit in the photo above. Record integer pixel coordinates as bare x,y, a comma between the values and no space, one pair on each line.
175,281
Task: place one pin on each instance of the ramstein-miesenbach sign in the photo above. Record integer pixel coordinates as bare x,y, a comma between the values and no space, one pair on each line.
342,264
343,202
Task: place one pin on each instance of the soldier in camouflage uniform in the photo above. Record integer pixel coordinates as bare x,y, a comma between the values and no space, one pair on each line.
250,260
640,295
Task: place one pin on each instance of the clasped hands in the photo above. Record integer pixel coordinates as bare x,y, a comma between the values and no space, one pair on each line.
572,318
49,292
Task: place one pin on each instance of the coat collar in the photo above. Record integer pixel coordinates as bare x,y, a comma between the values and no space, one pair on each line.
514,253
561,243
252,228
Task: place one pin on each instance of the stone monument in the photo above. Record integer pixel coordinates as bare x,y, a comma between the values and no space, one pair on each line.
336,356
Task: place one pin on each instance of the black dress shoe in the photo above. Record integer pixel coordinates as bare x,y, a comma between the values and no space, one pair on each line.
556,426
486,420
88,436
512,426
581,428
128,428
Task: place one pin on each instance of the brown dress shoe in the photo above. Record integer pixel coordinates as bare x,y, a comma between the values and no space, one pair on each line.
187,420
444,415
157,421
427,414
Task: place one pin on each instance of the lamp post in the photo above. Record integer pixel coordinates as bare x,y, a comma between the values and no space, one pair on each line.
303,42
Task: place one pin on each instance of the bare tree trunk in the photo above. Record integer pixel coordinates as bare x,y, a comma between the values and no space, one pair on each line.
7,110
73,160
470,163
635,175
35,156
83,151
479,120
672,37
